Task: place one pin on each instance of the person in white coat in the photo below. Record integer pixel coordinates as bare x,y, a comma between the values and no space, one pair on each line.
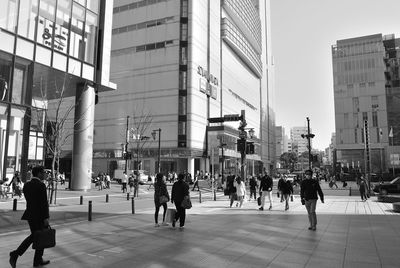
240,190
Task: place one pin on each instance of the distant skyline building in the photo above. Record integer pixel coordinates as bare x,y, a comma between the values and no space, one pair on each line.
181,62
366,88
281,140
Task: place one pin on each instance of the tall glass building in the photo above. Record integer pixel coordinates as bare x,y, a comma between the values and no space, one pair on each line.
178,63
51,50
366,89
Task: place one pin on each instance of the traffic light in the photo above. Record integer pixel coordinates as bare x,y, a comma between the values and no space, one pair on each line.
250,148
241,145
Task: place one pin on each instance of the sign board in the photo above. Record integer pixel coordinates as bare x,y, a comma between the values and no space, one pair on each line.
395,159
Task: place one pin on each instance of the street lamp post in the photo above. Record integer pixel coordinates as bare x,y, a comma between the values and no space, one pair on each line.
309,136
154,133
126,144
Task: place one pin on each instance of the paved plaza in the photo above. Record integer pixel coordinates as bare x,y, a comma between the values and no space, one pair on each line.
350,233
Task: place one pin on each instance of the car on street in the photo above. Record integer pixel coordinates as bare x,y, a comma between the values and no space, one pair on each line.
388,187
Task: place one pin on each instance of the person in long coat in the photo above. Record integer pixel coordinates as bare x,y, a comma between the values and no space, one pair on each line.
160,189
180,189
36,213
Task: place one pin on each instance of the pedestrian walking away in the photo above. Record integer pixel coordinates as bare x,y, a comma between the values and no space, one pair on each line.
196,181
161,198
309,191
36,213
362,187
230,180
253,188
266,185
124,182
280,185
287,191
180,189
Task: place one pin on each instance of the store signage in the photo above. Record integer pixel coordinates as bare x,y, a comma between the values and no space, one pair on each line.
59,38
208,83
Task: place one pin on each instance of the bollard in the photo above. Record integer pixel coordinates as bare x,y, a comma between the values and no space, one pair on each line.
349,191
127,196
199,196
81,200
15,204
106,198
133,205
90,211
215,195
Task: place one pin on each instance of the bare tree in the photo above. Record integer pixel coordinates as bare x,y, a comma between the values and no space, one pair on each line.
55,119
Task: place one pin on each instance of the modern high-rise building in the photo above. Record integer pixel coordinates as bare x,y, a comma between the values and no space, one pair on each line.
51,51
178,63
367,102
281,141
298,140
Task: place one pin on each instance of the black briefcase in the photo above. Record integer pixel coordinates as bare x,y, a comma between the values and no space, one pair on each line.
45,238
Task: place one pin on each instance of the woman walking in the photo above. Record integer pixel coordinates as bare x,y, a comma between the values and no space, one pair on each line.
161,197
180,189
240,190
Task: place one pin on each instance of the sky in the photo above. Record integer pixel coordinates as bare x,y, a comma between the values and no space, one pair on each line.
302,33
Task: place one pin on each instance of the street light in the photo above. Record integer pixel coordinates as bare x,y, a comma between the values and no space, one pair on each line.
308,136
154,133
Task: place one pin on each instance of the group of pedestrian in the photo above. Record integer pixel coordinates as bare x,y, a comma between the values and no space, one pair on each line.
180,190
103,181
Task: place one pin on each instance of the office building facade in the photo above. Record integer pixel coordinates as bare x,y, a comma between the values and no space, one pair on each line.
366,92
51,51
178,63
300,143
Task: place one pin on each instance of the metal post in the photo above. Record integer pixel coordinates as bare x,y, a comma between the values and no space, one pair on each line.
106,198
126,144
133,205
15,204
81,200
90,211
309,143
199,196
127,196
159,150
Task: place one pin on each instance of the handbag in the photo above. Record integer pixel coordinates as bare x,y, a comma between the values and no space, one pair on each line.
45,238
226,191
291,198
186,203
164,199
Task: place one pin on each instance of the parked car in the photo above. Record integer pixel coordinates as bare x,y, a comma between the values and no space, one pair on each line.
388,187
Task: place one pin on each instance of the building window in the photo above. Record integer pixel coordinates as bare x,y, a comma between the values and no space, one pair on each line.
90,36
371,84
378,135
374,102
182,128
355,120
362,135
182,80
365,116
8,14
356,105
374,119
355,136
76,46
182,105
346,120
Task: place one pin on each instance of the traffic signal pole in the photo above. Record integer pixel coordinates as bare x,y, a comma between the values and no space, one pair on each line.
126,144
309,143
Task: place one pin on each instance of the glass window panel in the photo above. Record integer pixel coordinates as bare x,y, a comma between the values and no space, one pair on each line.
27,18
40,141
48,9
32,148
43,55
88,72
82,2
74,67
90,36
45,32
63,12
4,79
39,153
18,85
25,49
76,48
8,14
7,42
93,5
59,61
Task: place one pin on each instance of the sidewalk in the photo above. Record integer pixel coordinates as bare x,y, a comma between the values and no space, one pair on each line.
350,233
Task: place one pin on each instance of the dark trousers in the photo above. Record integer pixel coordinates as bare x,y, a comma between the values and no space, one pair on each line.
253,192
34,226
164,205
196,184
180,213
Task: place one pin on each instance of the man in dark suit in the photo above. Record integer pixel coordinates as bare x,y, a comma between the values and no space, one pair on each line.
36,213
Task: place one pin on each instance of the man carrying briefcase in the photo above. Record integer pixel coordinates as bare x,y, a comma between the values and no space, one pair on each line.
36,213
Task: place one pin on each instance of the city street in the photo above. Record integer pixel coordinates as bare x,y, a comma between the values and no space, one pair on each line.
350,233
